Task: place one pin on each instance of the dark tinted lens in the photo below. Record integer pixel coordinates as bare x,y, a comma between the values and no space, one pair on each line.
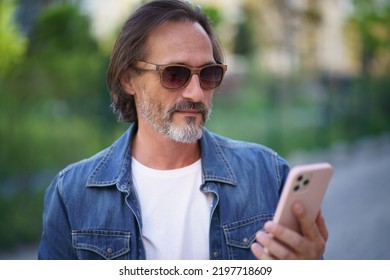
175,76
211,76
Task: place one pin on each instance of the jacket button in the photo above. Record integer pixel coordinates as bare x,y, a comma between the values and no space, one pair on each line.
215,254
245,240
109,250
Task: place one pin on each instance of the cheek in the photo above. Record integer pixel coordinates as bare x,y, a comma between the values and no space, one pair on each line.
147,82
156,99
208,98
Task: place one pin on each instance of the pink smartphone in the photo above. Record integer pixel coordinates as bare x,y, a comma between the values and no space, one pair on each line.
306,184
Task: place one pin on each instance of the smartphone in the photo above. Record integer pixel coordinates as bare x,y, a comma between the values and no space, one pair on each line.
306,184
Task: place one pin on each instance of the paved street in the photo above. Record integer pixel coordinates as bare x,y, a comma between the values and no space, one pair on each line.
357,204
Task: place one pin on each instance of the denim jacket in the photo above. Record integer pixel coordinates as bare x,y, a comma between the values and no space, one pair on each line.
91,210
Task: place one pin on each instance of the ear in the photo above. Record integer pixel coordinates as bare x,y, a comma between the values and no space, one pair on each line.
126,84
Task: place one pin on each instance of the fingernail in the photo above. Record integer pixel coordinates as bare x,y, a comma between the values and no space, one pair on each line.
269,225
260,235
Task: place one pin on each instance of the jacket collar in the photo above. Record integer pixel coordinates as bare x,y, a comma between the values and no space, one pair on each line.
215,165
114,168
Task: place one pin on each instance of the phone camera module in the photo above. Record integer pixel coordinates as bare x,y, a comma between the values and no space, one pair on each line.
302,182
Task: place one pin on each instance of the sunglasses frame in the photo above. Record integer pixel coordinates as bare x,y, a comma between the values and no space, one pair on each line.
142,65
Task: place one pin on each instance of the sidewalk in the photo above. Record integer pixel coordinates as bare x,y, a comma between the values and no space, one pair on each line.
23,253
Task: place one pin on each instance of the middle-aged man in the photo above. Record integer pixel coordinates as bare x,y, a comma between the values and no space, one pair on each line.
168,188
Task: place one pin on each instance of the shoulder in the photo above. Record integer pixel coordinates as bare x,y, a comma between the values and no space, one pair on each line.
247,158
244,156
102,169
233,144
85,167
248,150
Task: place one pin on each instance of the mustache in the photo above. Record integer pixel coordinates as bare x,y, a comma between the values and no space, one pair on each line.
185,105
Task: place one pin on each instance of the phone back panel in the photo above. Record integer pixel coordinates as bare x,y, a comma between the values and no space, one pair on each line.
306,184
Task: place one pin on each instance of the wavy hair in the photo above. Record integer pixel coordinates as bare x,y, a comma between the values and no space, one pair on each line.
131,46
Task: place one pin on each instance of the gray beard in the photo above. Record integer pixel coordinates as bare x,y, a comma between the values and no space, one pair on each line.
162,121
191,133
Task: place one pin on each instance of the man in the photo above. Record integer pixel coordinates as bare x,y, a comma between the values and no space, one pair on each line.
169,188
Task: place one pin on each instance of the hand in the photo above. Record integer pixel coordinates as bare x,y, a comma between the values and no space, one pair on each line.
279,242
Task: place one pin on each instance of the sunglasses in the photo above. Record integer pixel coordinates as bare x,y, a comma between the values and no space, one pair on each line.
177,76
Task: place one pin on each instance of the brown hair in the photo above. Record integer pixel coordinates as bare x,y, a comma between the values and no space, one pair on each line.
131,46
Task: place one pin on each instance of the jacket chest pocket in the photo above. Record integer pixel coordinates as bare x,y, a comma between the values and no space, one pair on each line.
240,235
101,244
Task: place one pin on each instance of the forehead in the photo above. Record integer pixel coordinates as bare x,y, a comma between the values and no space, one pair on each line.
179,42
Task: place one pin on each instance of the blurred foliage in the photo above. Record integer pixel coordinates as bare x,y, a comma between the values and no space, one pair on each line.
54,106
12,42
297,113
371,19
54,109
44,100
21,214
62,30
213,13
243,41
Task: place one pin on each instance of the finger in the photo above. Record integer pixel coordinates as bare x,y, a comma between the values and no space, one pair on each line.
316,231
320,221
285,243
260,252
309,228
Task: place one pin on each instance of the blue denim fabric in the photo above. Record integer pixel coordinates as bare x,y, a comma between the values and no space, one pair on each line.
91,209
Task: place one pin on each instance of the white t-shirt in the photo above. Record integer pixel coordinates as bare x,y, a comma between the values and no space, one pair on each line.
175,213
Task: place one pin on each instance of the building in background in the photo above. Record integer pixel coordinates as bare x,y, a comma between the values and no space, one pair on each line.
303,35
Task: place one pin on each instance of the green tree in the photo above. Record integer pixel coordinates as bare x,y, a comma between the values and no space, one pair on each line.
51,108
12,42
371,20
62,29
213,13
243,42
54,100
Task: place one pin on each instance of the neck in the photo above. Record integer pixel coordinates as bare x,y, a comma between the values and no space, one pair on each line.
159,152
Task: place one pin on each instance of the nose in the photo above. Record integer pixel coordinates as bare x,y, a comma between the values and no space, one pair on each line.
193,91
